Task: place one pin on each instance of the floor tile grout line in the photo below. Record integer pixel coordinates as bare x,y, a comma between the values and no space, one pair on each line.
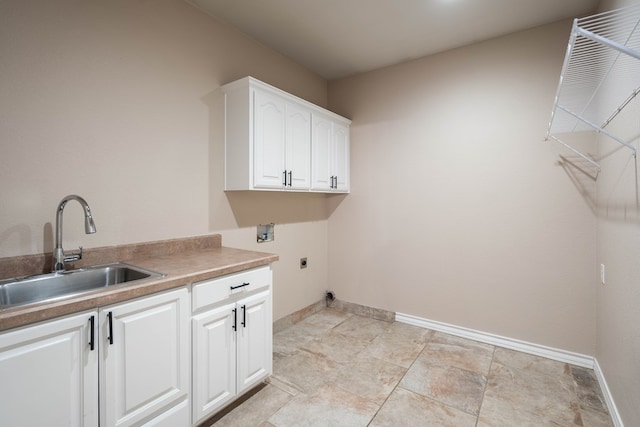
302,349
360,352
400,380
444,365
382,360
281,406
486,385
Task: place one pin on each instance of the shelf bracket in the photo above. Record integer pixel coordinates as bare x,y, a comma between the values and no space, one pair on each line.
584,156
599,129
601,48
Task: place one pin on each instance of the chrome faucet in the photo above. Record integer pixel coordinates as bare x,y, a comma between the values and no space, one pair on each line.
59,257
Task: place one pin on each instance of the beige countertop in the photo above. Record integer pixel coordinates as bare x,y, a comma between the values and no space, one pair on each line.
180,269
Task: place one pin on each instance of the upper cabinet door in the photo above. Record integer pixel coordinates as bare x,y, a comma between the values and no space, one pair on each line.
341,157
269,141
298,147
330,155
321,143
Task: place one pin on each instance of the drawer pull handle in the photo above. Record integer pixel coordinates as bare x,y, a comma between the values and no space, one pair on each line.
92,321
240,286
110,337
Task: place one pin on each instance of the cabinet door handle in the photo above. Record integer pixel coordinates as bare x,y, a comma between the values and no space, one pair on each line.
240,286
284,178
110,318
92,321
235,320
290,178
244,316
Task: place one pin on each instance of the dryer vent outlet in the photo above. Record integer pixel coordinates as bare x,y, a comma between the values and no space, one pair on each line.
330,297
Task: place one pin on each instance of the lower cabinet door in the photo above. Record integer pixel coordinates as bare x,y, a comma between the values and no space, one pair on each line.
178,415
144,356
49,374
254,337
214,360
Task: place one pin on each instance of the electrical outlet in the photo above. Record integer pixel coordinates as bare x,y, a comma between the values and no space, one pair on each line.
303,262
602,274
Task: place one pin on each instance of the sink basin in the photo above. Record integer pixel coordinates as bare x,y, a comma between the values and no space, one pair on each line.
52,286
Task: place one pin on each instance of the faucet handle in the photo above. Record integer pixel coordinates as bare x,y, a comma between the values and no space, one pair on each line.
73,256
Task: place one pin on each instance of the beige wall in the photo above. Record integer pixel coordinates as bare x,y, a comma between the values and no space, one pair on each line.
618,301
459,210
119,102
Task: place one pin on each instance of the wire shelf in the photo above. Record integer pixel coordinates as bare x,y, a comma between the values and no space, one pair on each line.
600,75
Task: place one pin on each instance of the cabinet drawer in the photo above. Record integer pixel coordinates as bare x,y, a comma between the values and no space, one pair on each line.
215,290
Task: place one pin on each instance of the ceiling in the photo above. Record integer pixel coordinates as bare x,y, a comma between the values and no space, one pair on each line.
338,38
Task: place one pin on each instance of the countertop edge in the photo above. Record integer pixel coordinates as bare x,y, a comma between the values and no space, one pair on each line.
180,270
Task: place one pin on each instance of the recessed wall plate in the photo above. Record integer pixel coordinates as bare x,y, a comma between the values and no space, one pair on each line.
265,233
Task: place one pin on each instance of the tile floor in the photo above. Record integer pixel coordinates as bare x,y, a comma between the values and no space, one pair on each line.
339,369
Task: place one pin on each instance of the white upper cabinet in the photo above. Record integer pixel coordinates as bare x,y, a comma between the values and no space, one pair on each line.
341,157
322,137
330,158
298,147
269,141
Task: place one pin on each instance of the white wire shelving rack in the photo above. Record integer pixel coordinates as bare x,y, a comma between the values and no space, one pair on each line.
600,76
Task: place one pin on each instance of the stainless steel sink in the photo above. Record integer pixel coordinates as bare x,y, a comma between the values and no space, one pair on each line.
52,286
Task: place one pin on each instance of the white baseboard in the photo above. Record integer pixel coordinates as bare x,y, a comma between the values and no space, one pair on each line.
611,405
510,343
525,347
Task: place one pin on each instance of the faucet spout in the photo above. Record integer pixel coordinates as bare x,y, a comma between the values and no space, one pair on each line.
59,257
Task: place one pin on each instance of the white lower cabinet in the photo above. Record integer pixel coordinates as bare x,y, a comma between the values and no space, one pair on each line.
49,374
134,355
232,338
214,360
177,415
144,356
254,345
130,364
